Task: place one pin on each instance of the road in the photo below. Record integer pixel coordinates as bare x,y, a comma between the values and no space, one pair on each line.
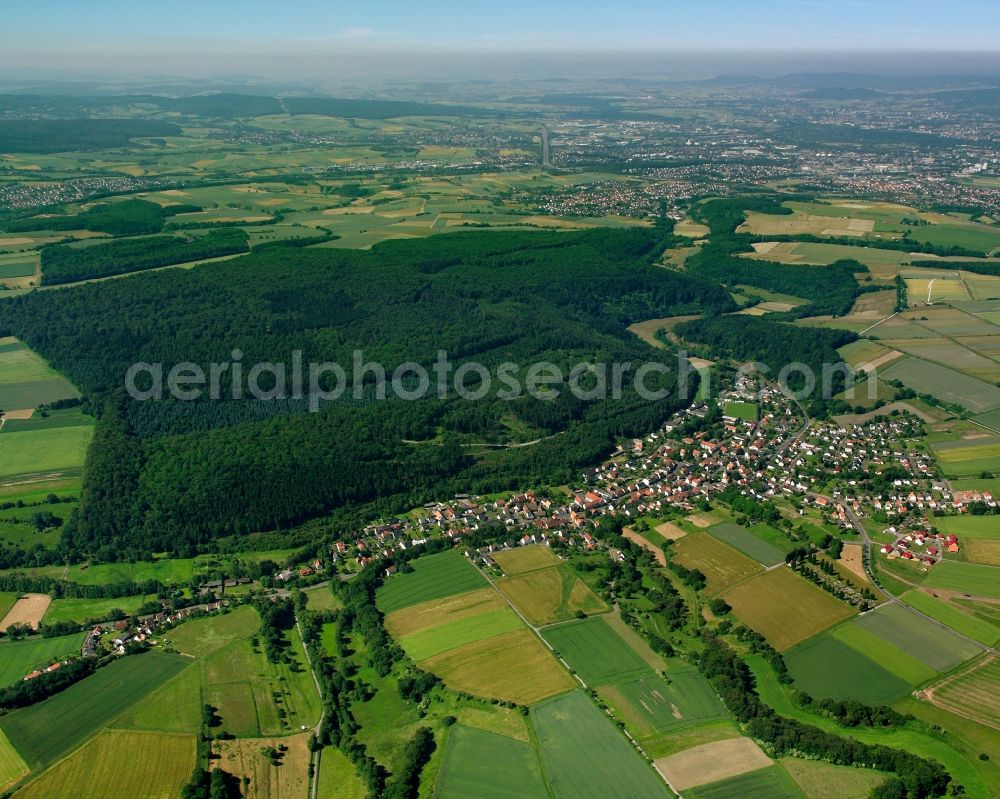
314,782
866,560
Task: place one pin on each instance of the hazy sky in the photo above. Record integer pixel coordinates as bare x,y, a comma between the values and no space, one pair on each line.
234,33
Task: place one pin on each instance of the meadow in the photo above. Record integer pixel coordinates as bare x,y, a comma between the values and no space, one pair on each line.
595,651
966,578
820,780
785,608
86,707
722,565
519,560
550,594
207,635
953,616
337,778
173,706
488,766
772,782
825,667
43,451
82,610
570,730
747,411
12,765
17,658
116,763
969,526
247,758
749,544
435,576
928,643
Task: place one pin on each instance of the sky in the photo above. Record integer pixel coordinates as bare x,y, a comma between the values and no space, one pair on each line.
236,34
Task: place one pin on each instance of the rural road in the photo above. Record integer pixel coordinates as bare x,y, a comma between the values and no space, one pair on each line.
314,781
866,560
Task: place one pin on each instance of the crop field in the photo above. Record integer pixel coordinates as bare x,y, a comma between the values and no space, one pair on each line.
12,765
18,658
26,380
972,693
433,641
819,780
137,765
426,615
83,708
983,550
953,616
650,704
246,759
519,560
433,577
27,611
882,263
202,637
947,351
488,766
570,730
748,543
825,667
550,594
786,608
967,578
174,706
912,671
7,600
41,451
921,639
515,666
712,762
944,384
966,527
722,565
772,782
595,651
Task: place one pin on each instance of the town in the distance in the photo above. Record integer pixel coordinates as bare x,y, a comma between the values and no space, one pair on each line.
245,551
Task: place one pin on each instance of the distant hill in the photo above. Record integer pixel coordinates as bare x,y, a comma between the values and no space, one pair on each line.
843,93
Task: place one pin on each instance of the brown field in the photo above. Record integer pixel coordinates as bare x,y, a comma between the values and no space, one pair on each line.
702,521
244,758
29,610
821,780
516,667
785,608
972,693
636,538
852,559
722,565
712,762
425,615
549,595
647,330
692,230
526,559
671,531
983,550
877,304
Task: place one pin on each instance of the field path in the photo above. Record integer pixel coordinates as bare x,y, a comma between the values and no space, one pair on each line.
880,321
314,778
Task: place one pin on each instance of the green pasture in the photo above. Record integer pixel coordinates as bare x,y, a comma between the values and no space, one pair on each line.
595,651
485,765
772,782
966,578
433,577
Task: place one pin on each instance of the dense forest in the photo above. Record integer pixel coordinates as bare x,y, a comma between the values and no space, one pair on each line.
58,135
125,218
64,264
152,484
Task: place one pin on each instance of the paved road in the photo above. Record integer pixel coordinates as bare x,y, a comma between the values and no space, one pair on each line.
866,560
315,755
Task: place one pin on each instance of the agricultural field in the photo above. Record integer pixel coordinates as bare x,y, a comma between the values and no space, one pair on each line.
550,594
749,544
430,642
86,707
435,576
902,664
722,565
943,383
27,611
965,578
785,608
488,766
972,693
772,782
985,551
595,651
12,765
246,759
968,526
337,778
819,780
928,643
174,706
651,705
825,667
519,560
712,762
18,658
26,381
139,765
569,730
205,636
954,616
322,598
969,456
82,610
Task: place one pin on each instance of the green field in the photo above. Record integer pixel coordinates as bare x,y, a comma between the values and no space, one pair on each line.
174,706
36,451
824,667
82,610
966,578
721,564
907,668
650,704
747,411
488,766
12,765
954,617
26,380
571,731
595,651
944,384
17,658
427,643
819,780
772,782
969,526
337,777
84,708
747,543
928,643
7,600
433,577
202,637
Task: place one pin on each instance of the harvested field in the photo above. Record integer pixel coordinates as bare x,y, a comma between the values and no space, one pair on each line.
516,667
246,758
671,531
972,693
722,565
645,543
426,615
852,558
786,608
28,610
712,762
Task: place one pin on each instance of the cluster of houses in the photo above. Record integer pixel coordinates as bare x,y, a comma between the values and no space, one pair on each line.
921,546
